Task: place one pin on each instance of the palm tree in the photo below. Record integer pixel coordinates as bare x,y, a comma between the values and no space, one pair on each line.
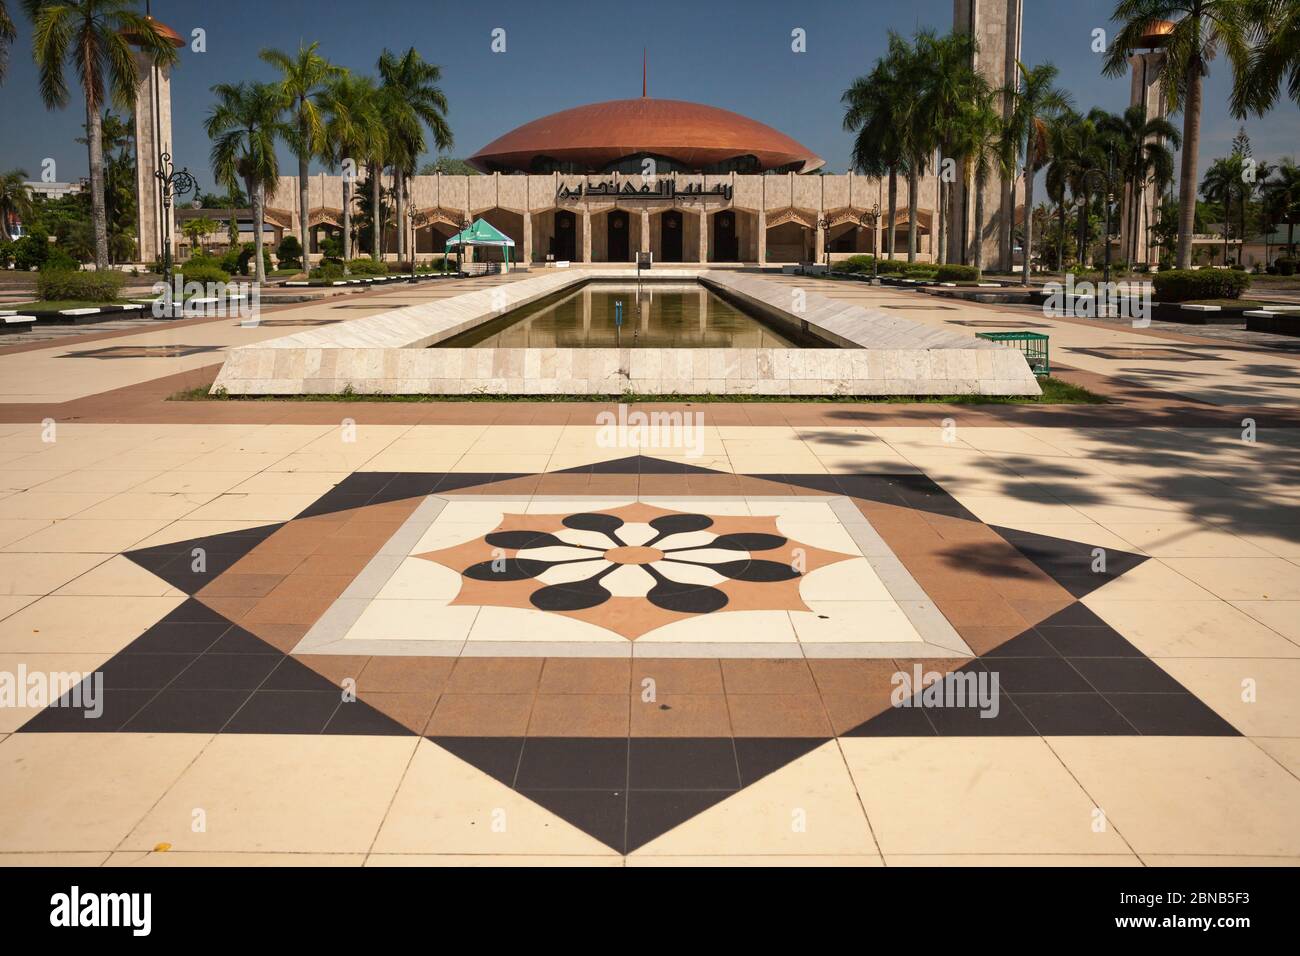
303,78
1283,197
1202,28
8,33
412,102
981,141
15,200
953,85
92,35
1221,183
918,135
1275,60
1065,144
1140,141
353,123
243,127
1034,102
871,111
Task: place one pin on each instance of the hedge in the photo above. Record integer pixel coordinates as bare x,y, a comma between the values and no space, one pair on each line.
204,272
65,284
1185,285
953,272
367,267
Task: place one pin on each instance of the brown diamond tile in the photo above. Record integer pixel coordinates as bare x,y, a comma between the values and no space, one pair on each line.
681,715
790,676
676,676
232,584
579,715
778,715
395,674
852,676
495,675
335,667
481,715
577,675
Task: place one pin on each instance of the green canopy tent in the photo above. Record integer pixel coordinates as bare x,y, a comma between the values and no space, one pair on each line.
483,233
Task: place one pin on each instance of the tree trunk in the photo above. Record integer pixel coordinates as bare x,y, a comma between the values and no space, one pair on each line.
399,181
303,200
893,210
1060,233
979,218
258,192
1029,204
1191,146
347,218
912,182
376,213
98,212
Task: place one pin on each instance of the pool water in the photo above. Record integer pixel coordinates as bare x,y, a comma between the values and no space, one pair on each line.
668,315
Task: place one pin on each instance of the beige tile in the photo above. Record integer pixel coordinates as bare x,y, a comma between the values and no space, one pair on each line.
148,504
446,806
1199,862
90,537
1197,795
39,574
40,504
194,482
200,858
1012,859
776,859
1285,750
973,795
67,792
118,575
1152,580
1186,539
75,624
280,794
1243,579
807,808
1256,696
490,859
53,859
1192,629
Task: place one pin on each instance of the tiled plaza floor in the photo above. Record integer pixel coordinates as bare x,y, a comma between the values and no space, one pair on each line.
478,634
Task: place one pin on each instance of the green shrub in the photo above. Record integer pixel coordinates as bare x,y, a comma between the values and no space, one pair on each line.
203,269
58,261
289,253
1185,285
64,284
245,259
855,264
953,272
367,267
1286,265
30,251
908,270
6,253
230,261
328,271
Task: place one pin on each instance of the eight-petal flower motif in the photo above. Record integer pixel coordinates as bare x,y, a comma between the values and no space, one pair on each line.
635,567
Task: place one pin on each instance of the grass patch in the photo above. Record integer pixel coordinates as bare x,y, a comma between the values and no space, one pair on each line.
1055,392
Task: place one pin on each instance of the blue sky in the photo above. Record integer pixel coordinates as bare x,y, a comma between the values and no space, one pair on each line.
731,54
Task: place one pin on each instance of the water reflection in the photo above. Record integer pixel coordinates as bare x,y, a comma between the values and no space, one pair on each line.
670,315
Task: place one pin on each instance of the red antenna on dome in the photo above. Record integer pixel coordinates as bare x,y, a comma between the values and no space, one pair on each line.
643,93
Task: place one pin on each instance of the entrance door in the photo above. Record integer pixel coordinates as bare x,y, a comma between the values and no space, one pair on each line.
618,241
670,236
725,246
566,236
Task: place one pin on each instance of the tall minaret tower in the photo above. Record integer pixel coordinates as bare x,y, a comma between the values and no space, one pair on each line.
1139,212
153,137
996,25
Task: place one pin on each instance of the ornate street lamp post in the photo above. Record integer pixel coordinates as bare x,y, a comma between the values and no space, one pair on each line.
824,225
869,219
172,182
464,225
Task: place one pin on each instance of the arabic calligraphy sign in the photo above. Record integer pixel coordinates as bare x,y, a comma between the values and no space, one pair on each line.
666,190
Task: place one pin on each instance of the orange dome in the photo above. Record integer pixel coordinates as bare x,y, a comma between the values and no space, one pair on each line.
691,136
164,31
1157,33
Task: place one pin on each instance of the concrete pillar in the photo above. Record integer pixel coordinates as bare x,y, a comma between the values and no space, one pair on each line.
704,236
153,135
645,230
996,25
1144,90
762,237
528,238
586,235
819,244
